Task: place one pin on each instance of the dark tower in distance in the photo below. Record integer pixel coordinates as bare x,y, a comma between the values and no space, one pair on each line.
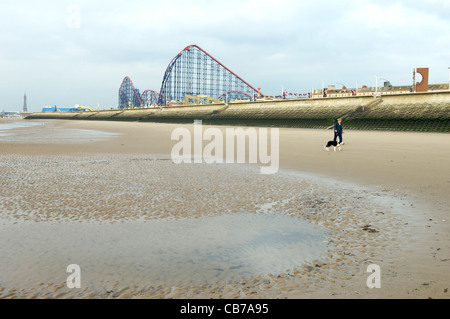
25,109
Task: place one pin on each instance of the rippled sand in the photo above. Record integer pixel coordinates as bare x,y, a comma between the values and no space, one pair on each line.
97,191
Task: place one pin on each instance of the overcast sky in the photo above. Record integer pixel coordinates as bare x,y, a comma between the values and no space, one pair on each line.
78,52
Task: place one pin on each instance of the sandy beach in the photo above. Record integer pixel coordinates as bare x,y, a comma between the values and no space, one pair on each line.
107,196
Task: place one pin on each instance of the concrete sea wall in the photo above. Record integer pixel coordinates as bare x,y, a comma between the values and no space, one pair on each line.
416,111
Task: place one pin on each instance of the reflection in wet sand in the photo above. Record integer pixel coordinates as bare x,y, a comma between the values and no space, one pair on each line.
43,133
160,252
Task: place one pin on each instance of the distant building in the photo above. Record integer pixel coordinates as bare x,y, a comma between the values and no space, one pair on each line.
49,109
386,89
7,114
77,108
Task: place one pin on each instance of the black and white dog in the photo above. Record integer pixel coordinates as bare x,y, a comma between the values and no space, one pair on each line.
335,144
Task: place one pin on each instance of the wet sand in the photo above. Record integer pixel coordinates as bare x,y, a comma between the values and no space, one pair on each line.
381,200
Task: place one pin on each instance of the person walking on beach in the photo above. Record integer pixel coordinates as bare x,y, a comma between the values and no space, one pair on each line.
338,130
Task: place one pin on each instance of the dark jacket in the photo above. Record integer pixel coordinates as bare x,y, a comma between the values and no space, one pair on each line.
338,127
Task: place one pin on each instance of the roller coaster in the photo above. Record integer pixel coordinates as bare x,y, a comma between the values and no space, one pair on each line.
128,95
192,72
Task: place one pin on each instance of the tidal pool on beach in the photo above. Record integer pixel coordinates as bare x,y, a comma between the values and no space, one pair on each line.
13,124
42,133
160,252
